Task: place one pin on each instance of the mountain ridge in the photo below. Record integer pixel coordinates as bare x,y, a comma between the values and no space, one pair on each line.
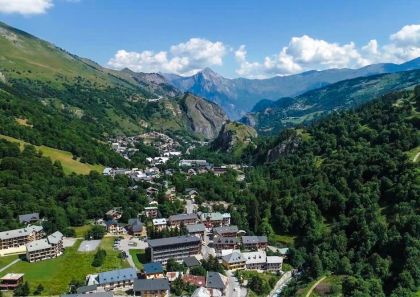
238,95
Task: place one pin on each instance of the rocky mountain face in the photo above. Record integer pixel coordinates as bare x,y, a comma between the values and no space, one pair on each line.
270,118
238,96
203,117
234,138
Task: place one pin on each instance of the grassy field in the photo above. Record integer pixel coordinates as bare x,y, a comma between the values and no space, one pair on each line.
81,230
55,274
66,158
139,257
6,260
412,154
330,286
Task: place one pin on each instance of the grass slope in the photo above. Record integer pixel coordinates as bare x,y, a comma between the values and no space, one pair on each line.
66,159
56,274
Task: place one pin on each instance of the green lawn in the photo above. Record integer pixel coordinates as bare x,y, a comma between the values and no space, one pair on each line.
331,281
81,230
66,158
6,260
412,154
55,274
139,257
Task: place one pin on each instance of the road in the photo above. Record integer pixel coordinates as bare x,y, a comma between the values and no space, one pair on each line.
285,278
314,286
9,265
233,288
125,247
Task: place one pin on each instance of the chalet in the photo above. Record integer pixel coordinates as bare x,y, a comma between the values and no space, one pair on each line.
48,248
274,263
225,231
19,237
226,243
11,281
212,219
135,227
254,242
151,212
197,230
115,228
114,214
29,218
151,287
234,261
182,219
160,224
255,260
153,270
109,280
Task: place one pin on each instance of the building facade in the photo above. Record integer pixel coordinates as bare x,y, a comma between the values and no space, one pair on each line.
178,248
47,248
19,237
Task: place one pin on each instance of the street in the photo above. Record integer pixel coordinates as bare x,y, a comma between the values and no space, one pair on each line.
126,244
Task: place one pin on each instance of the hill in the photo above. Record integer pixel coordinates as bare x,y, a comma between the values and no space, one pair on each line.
75,105
238,96
270,118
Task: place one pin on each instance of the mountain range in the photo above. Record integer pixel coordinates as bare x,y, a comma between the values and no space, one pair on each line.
239,95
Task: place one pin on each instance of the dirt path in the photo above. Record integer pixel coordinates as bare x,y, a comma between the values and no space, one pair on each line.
314,286
416,157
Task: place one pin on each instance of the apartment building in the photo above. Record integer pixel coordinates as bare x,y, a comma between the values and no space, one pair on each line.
225,231
19,237
178,248
226,243
182,219
47,248
254,242
234,261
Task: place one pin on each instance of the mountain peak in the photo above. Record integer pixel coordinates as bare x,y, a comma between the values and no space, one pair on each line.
209,73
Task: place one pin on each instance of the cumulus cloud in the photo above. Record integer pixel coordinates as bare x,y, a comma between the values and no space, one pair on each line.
184,58
25,7
307,53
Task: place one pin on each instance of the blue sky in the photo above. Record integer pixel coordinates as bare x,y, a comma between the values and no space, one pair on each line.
235,37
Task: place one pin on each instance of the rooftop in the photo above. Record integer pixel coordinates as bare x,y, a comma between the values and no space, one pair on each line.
191,261
195,228
152,268
29,217
235,257
159,221
255,257
212,216
226,229
254,239
20,232
173,240
215,280
12,276
183,216
117,275
157,284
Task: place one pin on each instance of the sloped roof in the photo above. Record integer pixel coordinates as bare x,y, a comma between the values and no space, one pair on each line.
234,257
156,284
191,261
195,228
117,275
215,280
29,217
254,239
173,240
152,268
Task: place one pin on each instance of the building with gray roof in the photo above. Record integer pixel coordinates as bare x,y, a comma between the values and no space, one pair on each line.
184,218
46,248
29,218
96,294
158,287
19,237
254,242
215,280
226,231
178,247
116,278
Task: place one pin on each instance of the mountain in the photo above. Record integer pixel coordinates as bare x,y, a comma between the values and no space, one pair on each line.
272,117
238,96
234,138
75,105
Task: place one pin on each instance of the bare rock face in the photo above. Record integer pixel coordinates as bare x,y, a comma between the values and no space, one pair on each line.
205,118
285,147
234,136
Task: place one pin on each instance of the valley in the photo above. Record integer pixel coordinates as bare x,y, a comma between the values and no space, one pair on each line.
119,183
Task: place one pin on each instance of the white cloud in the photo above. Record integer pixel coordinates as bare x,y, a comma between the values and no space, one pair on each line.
307,53
184,58
25,7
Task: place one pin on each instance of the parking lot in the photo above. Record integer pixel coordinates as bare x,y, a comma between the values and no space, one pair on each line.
88,245
126,244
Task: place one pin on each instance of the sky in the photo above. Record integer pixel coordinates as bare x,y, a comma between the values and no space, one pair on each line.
236,38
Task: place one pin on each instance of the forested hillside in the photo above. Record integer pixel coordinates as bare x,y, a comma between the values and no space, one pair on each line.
348,192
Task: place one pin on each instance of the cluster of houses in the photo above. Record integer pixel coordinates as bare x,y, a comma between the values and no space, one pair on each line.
126,146
137,174
33,240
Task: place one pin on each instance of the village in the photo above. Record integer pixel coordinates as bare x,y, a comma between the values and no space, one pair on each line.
191,253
